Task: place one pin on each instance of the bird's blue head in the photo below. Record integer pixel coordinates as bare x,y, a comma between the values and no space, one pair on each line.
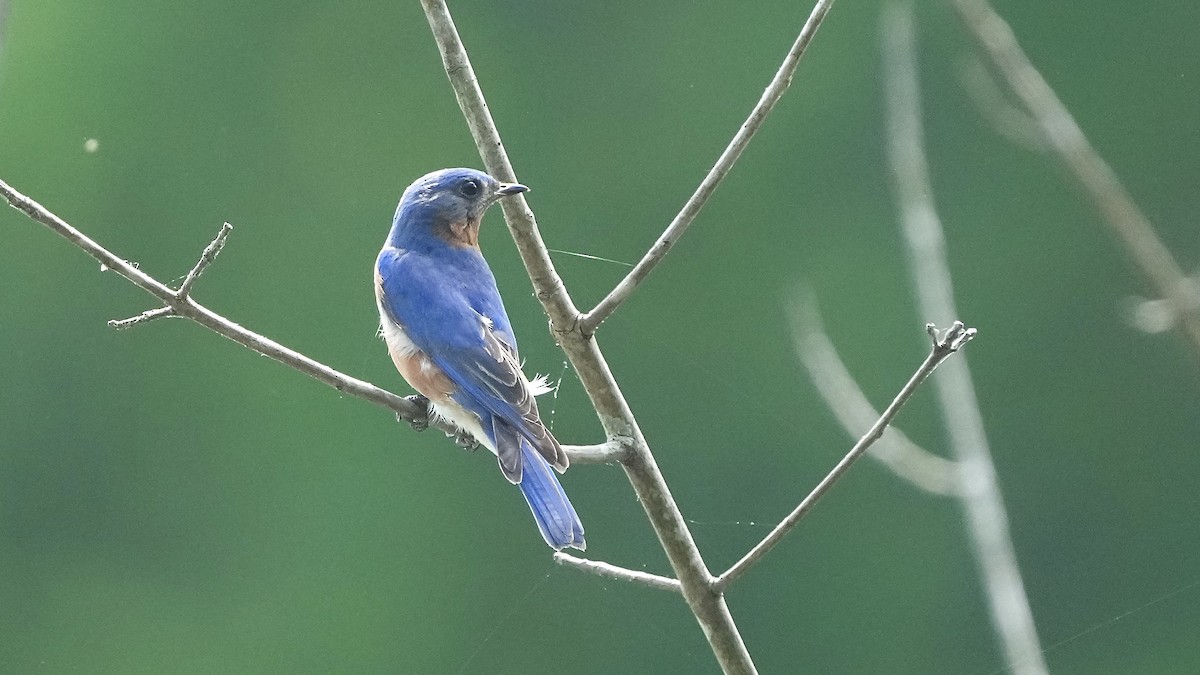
449,205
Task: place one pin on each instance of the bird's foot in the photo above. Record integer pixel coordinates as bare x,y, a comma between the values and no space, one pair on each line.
421,422
466,441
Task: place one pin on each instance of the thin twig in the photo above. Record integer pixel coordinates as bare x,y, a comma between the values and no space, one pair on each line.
584,353
604,569
148,315
987,522
774,91
941,348
190,309
843,396
411,409
206,258
612,452
1085,165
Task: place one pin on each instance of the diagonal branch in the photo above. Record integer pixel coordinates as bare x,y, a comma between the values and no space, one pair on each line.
584,353
549,286
1085,165
927,471
604,569
774,91
983,504
148,315
178,304
413,409
941,348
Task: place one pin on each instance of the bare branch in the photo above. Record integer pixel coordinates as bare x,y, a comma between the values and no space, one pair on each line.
774,91
612,452
987,522
206,258
190,309
942,347
925,470
549,286
584,353
148,315
1085,165
604,569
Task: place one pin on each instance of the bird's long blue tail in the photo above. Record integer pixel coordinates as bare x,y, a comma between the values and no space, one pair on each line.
555,516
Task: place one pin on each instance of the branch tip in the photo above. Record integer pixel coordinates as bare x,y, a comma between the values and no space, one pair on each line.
1066,139
953,339
846,400
207,256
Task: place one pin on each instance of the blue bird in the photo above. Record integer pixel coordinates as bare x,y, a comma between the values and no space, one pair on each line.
448,334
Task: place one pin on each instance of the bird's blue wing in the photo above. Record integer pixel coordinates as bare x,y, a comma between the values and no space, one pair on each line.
456,316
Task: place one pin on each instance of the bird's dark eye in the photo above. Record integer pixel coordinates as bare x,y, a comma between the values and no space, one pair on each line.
469,188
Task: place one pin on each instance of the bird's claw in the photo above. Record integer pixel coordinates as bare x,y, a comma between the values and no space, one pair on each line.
420,422
466,441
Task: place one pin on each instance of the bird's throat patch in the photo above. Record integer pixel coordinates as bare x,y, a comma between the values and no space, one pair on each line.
461,233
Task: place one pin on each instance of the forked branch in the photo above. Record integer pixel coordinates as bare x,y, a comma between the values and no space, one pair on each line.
179,303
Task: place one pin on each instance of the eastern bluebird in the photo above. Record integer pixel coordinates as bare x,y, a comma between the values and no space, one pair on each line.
449,336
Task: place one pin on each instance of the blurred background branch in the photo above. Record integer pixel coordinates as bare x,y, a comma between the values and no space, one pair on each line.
1097,179
163,496
987,521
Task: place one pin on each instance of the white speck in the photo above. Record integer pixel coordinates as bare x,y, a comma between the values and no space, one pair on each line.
103,267
91,145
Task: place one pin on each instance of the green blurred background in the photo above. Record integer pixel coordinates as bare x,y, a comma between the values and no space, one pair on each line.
172,503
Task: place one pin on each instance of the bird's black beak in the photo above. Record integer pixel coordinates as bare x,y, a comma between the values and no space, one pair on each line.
507,189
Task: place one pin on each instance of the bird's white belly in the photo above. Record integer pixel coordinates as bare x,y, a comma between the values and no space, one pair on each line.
429,380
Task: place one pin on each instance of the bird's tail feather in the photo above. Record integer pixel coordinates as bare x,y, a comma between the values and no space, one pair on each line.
555,516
